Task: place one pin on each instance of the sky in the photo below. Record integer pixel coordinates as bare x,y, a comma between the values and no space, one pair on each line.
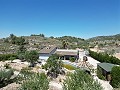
79,18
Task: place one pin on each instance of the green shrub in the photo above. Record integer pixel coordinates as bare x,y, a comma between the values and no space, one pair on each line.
69,67
115,74
5,76
99,74
79,80
35,82
72,59
4,57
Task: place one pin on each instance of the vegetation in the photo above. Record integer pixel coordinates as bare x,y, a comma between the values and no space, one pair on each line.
69,67
32,57
41,35
99,73
32,81
65,44
54,66
115,74
4,57
72,59
16,40
103,57
36,82
5,75
79,80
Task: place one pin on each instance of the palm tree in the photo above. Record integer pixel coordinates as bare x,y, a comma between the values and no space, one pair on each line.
65,44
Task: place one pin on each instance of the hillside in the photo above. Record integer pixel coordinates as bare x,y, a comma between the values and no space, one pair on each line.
37,42
102,38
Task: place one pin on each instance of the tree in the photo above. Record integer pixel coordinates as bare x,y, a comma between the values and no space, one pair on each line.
65,44
6,40
51,37
32,57
13,38
54,66
115,74
79,80
42,35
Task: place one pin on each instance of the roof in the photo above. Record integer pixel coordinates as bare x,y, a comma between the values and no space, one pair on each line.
48,49
106,66
67,52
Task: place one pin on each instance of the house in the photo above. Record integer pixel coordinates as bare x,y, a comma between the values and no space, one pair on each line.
66,54
46,52
105,69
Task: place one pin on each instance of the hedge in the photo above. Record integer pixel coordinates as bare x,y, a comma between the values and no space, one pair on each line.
103,57
4,57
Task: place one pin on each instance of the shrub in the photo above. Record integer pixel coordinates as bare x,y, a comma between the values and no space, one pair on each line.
99,73
69,67
80,80
5,76
36,82
4,57
72,59
115,74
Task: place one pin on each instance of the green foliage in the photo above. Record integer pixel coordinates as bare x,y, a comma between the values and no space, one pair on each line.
17,40
54,66
35,82
69,67
79,80
41,35
4,57
21,56
72,59
65,44
5,76
6,40
103,57
115,74
99,73
31,56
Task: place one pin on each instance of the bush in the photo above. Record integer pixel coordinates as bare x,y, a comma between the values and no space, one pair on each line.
72,59
80,80
69,67
5,76
4,57
36,82
115,74
99,74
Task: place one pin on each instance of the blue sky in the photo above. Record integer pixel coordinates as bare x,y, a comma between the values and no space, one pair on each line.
80,18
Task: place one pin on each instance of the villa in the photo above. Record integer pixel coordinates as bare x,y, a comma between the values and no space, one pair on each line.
65,54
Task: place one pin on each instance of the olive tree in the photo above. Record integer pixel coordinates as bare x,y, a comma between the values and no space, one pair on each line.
54,66
32,57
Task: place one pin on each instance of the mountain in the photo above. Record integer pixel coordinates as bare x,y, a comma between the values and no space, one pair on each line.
102,38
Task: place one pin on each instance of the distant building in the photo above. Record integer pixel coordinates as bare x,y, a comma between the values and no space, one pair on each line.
46,52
